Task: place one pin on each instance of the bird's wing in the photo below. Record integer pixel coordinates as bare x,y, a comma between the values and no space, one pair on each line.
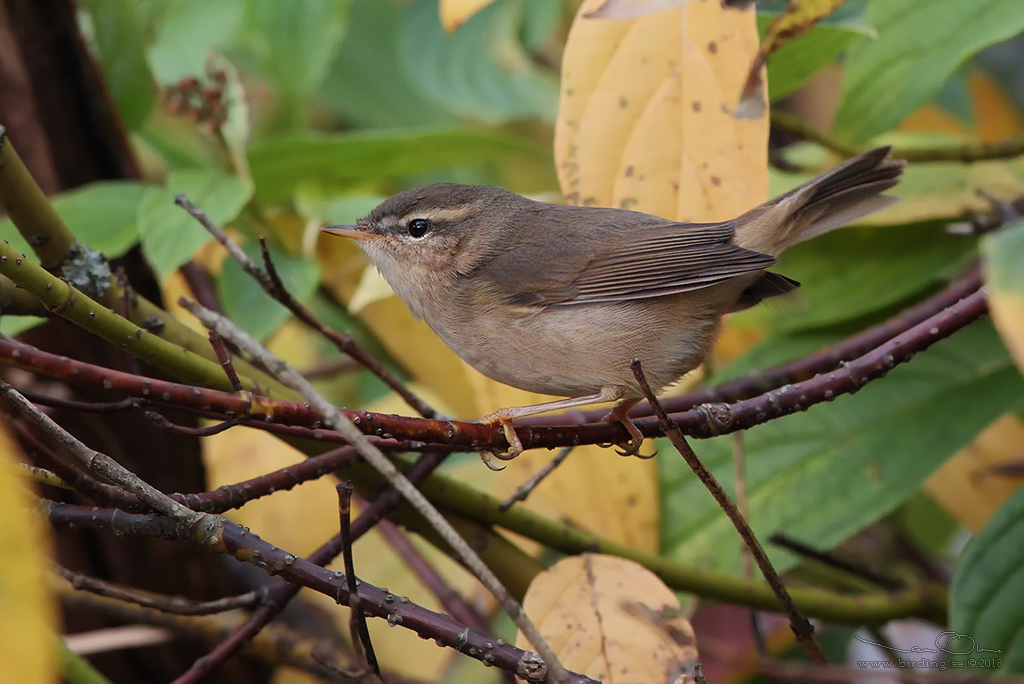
630,264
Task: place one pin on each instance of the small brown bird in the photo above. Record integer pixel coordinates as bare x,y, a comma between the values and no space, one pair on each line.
560,299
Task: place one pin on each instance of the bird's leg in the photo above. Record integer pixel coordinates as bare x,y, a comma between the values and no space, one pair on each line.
505,416
618,414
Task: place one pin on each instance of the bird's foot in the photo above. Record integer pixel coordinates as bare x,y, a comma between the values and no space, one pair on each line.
630,447
515,445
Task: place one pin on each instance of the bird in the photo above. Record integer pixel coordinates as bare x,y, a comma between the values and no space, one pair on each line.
560,299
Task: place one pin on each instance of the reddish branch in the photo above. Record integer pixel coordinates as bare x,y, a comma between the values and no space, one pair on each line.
801,626
702,421
376,602
299,572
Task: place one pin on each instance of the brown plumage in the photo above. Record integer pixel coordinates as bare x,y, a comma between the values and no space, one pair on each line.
559,300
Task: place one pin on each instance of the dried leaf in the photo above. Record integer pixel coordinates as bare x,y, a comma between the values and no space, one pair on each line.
613,620
798,18
979,479
455,13
645,118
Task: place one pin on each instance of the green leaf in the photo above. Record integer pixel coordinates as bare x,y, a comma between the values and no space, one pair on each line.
1004,272
799,59
249,306
987,599
297,42
170,237
366,82
119,33
851,272
921,43
823,475
280,165
188,31
14,325
350,208
481,71
101,215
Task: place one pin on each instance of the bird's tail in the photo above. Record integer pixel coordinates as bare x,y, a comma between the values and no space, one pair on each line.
846,193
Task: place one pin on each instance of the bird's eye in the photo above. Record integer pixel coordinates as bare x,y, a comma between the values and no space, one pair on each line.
418,227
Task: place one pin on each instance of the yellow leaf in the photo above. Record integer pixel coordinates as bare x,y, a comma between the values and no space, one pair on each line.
455,13
303,518
631,9
973,485
594,488
372,287
645,117
28,614
1007,309
995,117
611,619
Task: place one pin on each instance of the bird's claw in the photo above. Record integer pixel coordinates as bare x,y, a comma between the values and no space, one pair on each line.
486,457
631,447
515,445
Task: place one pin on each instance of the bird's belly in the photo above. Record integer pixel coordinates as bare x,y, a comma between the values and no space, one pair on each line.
578,350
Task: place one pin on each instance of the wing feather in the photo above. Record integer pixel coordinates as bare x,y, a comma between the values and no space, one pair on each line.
631,264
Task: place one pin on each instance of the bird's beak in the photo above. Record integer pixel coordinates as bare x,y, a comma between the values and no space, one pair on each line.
354,232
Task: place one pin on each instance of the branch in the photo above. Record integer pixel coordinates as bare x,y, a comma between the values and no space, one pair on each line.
86,269
241,544
549,667
800,625
706,420
277,645
65,300
967,153
203,525
175,605
271,283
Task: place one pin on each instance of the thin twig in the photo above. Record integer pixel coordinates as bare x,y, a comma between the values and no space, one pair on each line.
739,463
273,286
83,406
175,605
830,560
277,645
328,369
524,490
801,626
203,524
163,422
337,420
425,572
967,153
357,624
221,350
70,470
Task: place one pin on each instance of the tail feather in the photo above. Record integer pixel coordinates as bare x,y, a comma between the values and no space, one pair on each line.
842,195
